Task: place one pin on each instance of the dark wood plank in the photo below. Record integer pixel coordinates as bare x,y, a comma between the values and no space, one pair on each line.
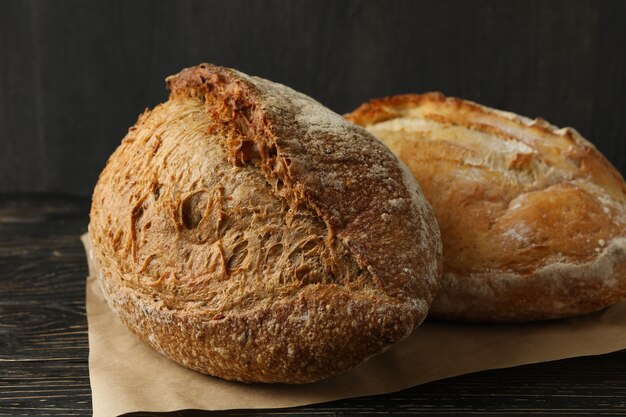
74,74
43,328
43,342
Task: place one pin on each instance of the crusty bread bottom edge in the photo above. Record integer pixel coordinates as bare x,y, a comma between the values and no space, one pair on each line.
554,291
182,339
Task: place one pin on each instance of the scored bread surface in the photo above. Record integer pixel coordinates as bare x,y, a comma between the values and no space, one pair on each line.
532,217
245,231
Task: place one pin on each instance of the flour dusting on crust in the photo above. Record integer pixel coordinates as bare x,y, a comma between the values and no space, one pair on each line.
533,217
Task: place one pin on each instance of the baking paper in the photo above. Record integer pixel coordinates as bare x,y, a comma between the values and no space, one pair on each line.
127,375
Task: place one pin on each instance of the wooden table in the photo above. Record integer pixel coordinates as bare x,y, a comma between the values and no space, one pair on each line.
43,341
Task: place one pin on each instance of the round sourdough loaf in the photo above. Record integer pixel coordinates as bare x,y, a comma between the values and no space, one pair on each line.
245,231
533,218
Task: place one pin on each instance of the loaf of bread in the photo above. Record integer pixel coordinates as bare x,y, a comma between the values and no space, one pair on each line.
532,217
245,231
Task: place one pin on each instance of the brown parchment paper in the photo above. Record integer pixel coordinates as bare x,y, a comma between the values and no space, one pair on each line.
127,375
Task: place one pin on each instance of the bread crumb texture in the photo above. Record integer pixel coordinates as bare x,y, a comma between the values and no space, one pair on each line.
247,232
532,217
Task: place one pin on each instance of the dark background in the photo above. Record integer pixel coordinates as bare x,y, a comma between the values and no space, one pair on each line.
74,75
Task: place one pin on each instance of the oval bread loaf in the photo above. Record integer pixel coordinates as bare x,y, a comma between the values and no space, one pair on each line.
245,231
532,217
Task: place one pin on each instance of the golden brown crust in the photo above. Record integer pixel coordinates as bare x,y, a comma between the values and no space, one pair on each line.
532,217
247,232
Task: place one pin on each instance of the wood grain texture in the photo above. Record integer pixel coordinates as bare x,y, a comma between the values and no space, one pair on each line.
43,328
74,74
43,342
